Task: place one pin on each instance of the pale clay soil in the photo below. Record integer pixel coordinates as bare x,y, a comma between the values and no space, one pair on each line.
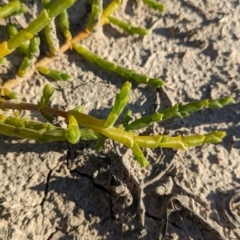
58,191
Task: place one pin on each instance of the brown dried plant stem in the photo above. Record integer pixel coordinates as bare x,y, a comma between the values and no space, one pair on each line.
46,60
32,107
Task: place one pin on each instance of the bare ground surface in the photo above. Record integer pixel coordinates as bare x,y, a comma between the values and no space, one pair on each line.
60,191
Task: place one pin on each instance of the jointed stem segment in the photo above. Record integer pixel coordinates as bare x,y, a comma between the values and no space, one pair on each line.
121,101
64,25
128,27
179,111
32,53
12,7
111,67
50,33
56,75
109,10
95,15
94,127
12,31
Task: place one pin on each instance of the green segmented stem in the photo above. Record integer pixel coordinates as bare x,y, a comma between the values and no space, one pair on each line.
219,103
54,74
41,132
50,35
112,67
12,31
110,9
33,50
100,128
34,27
26,123
121,101
179,111
20,132
64,25
23,9
47,94
139,156
179,142
128,27
50,32
9,9
45,100
24,67
72,133
26,34
57,7
25,128
154,5
144,122
94,17
32,53
86,134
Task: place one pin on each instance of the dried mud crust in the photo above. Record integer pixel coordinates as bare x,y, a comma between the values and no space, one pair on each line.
55,191
138,206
